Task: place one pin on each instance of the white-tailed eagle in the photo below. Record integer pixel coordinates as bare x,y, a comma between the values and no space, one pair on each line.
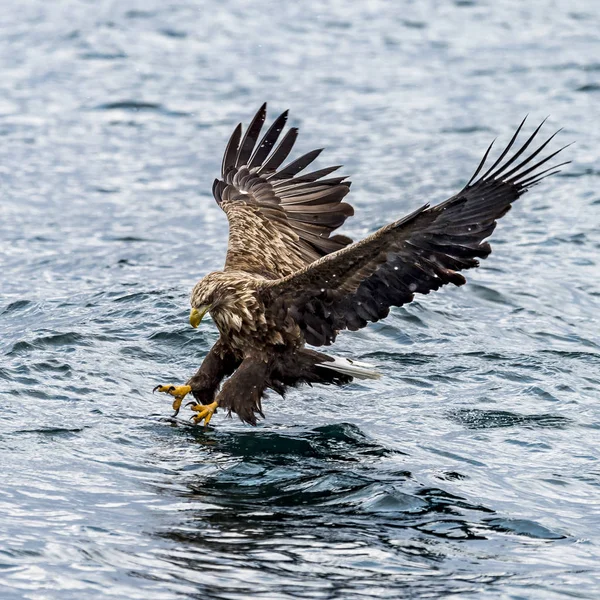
288,282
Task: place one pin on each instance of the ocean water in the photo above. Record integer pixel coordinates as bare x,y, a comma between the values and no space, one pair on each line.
469,470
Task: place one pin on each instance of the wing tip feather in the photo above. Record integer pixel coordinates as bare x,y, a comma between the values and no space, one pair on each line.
499,170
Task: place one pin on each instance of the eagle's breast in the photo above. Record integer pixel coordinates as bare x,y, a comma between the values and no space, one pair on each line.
243,320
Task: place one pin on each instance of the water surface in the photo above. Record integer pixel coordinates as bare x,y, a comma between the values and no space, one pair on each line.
471,469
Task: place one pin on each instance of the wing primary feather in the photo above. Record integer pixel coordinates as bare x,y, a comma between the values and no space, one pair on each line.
297,165
507,176
500,172
480,164
268,141
281,152
296,186
532,182
534,167
525,182
251,136
506,150
231,150
315,175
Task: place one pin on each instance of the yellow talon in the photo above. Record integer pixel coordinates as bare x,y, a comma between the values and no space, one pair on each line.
177,404
178,392
205,412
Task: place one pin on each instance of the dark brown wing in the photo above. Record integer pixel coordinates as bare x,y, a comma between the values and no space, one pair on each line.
279,222
417,254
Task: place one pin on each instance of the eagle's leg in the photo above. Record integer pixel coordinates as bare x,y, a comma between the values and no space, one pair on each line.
203,385
241,393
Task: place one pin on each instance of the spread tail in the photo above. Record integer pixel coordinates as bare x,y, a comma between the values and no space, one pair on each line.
351,367
309,366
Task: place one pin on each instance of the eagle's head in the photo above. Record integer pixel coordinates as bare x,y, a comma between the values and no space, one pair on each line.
221,294
206,295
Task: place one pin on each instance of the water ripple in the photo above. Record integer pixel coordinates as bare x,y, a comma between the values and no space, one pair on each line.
470,469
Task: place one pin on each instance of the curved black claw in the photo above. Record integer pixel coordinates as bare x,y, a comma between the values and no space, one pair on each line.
171,388
178,393
204,413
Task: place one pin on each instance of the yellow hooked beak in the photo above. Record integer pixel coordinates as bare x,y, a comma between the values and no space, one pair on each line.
196,315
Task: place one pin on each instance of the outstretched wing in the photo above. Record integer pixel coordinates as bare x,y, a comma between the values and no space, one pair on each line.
416,254
279,222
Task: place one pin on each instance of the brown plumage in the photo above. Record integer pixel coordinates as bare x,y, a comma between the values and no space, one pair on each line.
288,281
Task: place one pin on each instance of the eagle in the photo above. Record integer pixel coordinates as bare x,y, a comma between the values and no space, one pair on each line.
288,283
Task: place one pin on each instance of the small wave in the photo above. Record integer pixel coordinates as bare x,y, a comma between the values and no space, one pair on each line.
103,55
414,24
16,306
50,341
53,432
139,106
172,33
590,87
343,441
523,527
489,294
53,366
466,130
378,498
130,105
128,238
590,357
493,419
404,358
136,296
135,13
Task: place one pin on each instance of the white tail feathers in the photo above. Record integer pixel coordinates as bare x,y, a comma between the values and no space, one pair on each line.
354,368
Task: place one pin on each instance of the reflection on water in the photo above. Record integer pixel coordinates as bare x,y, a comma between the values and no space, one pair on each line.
330,504
470,469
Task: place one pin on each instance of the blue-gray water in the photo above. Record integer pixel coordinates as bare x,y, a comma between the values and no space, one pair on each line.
471,469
